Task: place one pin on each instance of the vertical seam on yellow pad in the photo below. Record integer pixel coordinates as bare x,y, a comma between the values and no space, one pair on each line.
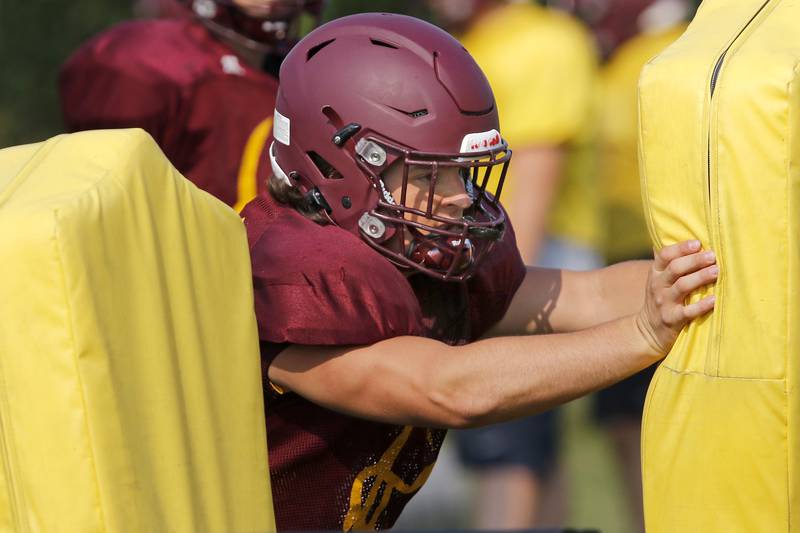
16,497
642,173
788,154
73,349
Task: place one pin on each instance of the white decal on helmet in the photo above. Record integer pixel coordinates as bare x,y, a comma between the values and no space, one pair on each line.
280,128
276,168
386,195
478,142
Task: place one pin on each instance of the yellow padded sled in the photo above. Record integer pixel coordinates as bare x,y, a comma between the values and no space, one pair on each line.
130,396
719,146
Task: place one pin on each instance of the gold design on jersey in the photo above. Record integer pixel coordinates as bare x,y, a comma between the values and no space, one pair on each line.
364,510
247,182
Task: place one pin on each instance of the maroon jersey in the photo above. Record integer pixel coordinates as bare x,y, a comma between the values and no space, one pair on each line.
321,285
210,112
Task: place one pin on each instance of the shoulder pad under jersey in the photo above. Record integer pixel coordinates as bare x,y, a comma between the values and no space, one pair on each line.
322,285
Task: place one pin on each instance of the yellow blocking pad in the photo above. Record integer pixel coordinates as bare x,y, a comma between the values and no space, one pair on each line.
130,396
720,434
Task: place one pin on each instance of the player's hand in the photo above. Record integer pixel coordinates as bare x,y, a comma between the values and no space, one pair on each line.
678,270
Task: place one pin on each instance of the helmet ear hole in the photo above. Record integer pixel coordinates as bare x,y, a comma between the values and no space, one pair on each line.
326,169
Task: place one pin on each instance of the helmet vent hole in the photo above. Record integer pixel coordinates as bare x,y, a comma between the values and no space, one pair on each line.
376,42
326,169
315,49
413,114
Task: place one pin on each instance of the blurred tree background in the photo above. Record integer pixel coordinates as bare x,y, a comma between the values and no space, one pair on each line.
36,36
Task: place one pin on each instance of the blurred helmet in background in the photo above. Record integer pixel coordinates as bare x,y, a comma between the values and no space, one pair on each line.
615,21
160,8
454,15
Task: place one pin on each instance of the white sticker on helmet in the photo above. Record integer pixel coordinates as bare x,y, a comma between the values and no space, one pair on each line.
280,128
478,142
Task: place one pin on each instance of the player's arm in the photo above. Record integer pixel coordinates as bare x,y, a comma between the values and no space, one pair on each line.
538,170
413,380
558,301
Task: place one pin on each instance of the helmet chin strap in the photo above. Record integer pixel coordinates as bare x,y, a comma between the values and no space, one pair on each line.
277,171
438,252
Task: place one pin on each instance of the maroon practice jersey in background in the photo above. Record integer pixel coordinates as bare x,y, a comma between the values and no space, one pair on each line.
321,285
209,111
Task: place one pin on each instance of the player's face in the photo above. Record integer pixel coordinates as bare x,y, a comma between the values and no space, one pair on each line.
268,9
450,197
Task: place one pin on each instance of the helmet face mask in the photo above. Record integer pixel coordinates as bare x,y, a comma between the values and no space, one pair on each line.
370,103
417,235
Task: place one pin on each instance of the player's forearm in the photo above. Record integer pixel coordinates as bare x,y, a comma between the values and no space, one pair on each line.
423,382
501,378
620,288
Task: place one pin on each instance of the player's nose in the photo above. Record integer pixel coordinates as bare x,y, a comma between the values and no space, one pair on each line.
452,190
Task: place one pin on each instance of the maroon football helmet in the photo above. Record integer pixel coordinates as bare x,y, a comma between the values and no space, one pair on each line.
272,27
365,91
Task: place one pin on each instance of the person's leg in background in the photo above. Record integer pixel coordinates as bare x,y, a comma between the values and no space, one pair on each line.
517,466
521,479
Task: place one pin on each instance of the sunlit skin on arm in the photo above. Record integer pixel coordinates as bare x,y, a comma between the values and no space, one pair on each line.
413,380
635,313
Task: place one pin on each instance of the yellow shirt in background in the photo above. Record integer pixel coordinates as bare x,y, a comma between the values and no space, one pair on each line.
626,233
541,64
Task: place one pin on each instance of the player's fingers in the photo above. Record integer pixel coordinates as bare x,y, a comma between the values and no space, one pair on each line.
690,282
700,308
686,265
674,251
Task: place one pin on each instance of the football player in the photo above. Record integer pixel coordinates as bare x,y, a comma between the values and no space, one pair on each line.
203,86
391,299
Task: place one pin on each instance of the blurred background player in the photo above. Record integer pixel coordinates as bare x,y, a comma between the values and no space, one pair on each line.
202,83
542,67
628,34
